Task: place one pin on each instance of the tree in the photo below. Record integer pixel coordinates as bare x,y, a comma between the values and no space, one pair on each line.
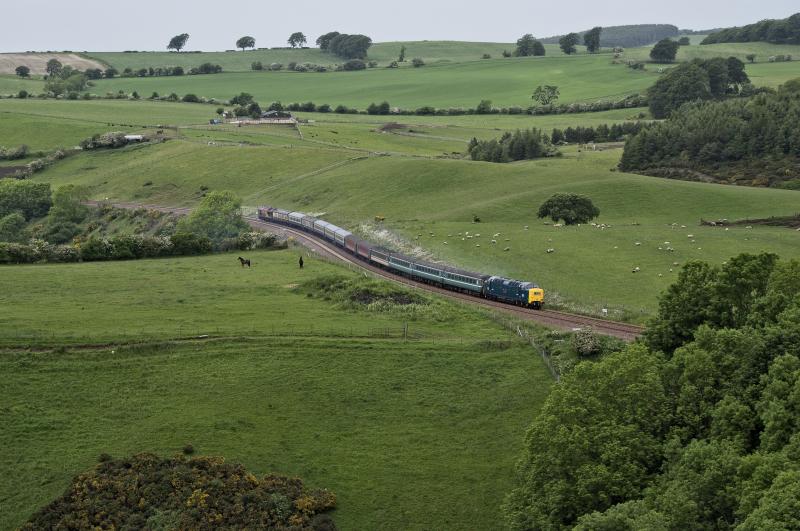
23,71
296,39
242,99
571,208
68,204
527,45
53,67
350,46
218,216
246,42
664,51
93,73
402,57
111,73
545,94
417,62
324,41
31,199
568,42
592,39
684,41
11,227
686,82
178,42
751,57
595,443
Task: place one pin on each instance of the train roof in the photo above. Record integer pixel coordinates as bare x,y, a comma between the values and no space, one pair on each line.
512,282
441,267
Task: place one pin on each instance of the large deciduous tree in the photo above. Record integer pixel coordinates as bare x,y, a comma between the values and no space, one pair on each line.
592,39
296,39
570,208
596,442
664,51
568,42
246,42
178,42
23,71
324,41
53,67
527,45
683,83
545,94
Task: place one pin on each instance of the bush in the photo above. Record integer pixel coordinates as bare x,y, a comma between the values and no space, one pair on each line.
187,244
31,199
275,67
256,65
520,145
417,62
190,98
354,64
22,94
183,493
13,153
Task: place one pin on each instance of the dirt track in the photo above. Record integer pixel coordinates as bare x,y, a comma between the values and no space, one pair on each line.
37,62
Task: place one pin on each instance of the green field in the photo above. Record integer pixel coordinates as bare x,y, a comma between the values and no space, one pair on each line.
590,268
383,52
506,83
413,434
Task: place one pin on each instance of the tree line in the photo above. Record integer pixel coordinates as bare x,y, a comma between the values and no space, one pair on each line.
699,79
695,427
629,36
755,140
520,145
784,31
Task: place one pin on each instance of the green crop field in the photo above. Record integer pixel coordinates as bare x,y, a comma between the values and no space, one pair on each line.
506,83
414,434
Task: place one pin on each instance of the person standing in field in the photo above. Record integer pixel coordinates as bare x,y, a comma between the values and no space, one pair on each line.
301,262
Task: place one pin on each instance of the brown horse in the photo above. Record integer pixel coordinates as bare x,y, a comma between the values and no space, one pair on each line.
244,261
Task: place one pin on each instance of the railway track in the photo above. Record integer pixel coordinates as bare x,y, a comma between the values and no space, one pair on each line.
552,318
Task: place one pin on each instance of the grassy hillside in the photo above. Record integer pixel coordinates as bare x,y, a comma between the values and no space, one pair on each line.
416,435
383,52
507,82
763,51
590,267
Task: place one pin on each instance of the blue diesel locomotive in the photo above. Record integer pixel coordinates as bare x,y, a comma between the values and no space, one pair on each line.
491,287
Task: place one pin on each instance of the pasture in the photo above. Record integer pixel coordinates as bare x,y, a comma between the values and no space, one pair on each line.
589,269
506,82
412,434
383,52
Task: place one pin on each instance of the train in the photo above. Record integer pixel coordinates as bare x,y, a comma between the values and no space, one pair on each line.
506,290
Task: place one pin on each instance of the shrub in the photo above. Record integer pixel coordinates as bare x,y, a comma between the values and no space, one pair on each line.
22,94
324,108
486,56
417,62
354,64
31,199
256,65
190,98
393,64
187,243
275,66
183,493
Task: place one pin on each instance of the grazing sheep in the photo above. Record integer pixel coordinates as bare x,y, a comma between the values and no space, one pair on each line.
526,227
637,244
494,241
507,249
557,225
635,269
477,245
550,251
749,227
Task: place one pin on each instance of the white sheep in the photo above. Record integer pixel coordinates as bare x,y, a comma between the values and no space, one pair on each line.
494,241
550,251
507,249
